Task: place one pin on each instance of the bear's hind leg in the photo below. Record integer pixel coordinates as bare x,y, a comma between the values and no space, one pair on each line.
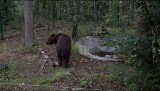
66,63
59,60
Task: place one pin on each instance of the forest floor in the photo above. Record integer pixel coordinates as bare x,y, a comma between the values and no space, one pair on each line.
83,73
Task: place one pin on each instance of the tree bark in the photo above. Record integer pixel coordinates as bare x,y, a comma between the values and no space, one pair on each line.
144,51
37,8
75,12
95,11
1,26
54,12
6,9
28,20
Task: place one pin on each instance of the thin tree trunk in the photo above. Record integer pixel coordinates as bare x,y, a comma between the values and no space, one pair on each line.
68,11
110,6
44,9
54,12
118,8
28,20
6,8
1,26
60,16
48,10
145,47
95,10
6,11
37,8
75,12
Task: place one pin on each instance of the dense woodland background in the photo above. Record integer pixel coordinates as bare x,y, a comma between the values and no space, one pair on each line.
135,25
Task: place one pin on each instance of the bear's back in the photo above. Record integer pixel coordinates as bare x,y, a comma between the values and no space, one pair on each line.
64,42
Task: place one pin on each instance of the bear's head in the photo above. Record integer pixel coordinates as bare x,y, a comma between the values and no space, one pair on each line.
53,39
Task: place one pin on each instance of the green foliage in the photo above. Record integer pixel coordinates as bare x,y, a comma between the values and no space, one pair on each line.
116,16
16,20
9,74
75,49
135,51
9,78
110,19
131,78
133,87
88,80
125,75
143,76
86,28
39,22
85,82
57,76
118,73
125,40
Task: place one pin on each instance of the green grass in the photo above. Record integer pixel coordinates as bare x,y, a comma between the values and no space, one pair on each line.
55,77
9,78
89,79
117,71
75,49
123,75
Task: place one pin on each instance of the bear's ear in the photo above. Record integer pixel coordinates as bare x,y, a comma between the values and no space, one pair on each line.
51,39
56,37
59,34
55,40
52,35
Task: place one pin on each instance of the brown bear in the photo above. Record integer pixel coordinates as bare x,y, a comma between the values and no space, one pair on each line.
63,48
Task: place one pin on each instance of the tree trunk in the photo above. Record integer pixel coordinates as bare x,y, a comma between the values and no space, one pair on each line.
1,26
28,20
68,10
95,11
59,7
48,15
118,16
75,12
6,11
54,12
110,6
144,51
37,8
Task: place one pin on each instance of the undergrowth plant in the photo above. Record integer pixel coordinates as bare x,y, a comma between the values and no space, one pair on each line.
75,49
143,76
88,80
9,77
55,77
84,29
